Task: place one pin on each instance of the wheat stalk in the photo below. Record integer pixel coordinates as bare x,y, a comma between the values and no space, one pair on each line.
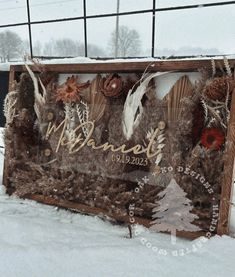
213,66
86,111
70,118
227,67
83,116
205,109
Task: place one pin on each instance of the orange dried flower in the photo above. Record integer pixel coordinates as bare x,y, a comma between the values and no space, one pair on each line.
70,90
212,138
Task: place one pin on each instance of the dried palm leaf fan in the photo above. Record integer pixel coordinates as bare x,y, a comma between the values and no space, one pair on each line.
181,89
97,100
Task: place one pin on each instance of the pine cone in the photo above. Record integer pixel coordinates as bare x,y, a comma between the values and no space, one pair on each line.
216,89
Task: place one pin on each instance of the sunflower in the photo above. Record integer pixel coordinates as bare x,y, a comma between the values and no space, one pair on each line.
212,138
69,91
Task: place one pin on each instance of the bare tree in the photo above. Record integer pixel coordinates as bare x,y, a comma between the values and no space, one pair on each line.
63,48
26,46
95,51
70,48
48,49
11,46
37,48
128,42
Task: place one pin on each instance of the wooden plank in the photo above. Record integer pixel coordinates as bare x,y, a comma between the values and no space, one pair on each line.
164,65
6,166
84,209
227,183
11,78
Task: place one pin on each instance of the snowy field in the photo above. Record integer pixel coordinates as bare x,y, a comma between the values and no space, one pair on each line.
38,240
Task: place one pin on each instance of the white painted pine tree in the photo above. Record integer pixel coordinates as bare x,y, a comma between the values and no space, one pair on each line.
173,211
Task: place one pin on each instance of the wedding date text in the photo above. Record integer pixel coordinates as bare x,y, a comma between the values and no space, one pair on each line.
125,159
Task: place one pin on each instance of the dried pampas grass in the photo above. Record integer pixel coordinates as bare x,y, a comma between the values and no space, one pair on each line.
133,108
40,99
9,106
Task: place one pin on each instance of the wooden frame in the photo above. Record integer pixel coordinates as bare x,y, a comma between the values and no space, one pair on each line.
177,65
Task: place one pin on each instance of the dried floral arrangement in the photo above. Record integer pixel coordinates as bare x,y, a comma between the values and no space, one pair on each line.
98,142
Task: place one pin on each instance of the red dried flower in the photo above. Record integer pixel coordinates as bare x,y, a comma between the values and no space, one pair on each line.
212,138
69,91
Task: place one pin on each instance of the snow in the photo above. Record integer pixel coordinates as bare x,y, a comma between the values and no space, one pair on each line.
78,60
38,240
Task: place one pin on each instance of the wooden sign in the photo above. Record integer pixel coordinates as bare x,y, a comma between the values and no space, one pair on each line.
134,142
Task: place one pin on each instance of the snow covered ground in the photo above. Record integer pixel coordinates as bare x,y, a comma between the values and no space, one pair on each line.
38,240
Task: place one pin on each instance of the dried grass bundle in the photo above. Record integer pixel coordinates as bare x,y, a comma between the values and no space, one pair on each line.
9,106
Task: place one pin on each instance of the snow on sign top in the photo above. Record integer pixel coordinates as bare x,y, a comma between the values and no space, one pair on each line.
85,60
137,142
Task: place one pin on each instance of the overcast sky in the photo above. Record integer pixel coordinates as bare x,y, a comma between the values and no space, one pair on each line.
203,27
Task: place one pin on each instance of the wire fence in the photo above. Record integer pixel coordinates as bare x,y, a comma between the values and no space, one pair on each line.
154,11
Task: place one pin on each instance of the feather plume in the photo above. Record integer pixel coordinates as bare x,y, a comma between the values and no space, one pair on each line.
40,99
133,108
